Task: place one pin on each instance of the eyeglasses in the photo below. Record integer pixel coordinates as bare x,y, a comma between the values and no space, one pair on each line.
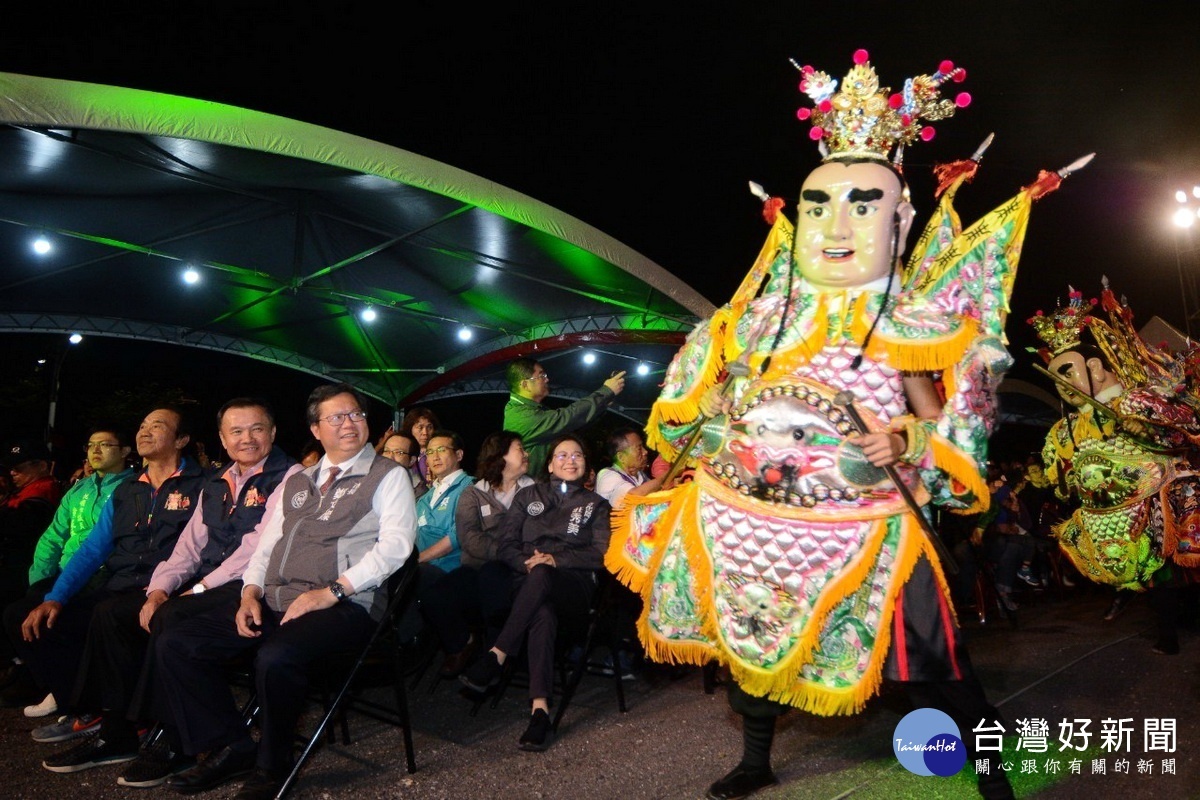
336,420
437,451
568,457
404,453
545,376
90,446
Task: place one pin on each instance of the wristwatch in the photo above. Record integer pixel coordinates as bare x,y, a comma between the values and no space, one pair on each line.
338,590
199,588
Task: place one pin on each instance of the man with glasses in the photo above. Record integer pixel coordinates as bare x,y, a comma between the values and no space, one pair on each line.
106,451
528,386
316,585
404,451
437,535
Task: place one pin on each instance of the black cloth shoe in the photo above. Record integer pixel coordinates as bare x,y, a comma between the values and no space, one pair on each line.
261,785
21,690
218,768
1119,604
537,736
13,673
483,674
154,764
91,752
742,782
1166,646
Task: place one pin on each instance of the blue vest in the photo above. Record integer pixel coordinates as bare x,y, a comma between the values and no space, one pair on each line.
147,524
230,518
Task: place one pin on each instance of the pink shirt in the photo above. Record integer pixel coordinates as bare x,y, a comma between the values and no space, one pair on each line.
181,567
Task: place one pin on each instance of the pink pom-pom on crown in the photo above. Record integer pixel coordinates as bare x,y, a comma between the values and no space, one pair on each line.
816,132
804,85
826,106
906,119
946,67
803,113
807,69
895,101
960,76
927,133
963,100
861,56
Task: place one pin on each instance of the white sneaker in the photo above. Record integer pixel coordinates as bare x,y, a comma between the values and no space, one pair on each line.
44,708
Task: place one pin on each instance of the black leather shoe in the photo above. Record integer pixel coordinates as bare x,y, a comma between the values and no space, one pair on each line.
217,769
1166,646
741,783
261,785
483,674
457,662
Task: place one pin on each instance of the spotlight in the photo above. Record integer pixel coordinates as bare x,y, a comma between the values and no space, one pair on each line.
465,334
589,358
368,314
191,276
41,245
1184,217
1181,196
643,369
41,361
1196,192
75,338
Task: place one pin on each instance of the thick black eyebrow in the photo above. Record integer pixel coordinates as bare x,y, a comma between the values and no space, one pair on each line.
1064,368
864,195
814,196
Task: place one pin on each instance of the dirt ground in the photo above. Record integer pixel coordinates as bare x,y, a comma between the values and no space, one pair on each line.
1061,662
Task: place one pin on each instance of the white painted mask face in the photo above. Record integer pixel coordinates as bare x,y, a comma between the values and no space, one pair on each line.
848,219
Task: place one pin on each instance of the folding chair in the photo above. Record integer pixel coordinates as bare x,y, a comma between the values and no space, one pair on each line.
399,587
604,621
602,625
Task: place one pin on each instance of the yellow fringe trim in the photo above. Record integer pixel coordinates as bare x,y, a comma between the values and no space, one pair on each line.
787,361
622,519
783,682
931,355
817,699
1187,561
962,468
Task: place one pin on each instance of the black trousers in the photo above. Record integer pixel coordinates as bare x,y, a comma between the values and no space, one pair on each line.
541,599
451,607
54,657
116,673
193,658
16,610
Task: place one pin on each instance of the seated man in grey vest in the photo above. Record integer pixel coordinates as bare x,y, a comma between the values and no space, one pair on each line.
316,585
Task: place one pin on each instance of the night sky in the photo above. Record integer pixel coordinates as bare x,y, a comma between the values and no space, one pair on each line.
647,122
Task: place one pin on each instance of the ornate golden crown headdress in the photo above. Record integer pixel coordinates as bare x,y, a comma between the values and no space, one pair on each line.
864,120
1061,330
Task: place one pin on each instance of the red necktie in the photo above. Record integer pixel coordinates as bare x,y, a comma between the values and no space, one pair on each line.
333,473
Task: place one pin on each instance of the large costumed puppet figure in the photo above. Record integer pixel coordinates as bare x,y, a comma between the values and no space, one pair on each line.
794,557
1126,454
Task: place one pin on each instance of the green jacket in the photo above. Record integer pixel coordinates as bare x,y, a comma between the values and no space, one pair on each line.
538,425
74,519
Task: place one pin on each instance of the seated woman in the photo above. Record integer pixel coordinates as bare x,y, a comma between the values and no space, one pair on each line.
553,539
452,608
